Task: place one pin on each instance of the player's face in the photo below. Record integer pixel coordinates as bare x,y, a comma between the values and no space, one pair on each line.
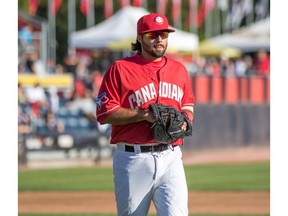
154,44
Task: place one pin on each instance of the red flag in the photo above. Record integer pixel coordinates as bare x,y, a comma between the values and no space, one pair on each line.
205,7
137,3
161,6
124,3
84,7
33,5
108,8
55,6
176,9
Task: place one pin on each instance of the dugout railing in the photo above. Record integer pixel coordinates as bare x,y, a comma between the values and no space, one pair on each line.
231,90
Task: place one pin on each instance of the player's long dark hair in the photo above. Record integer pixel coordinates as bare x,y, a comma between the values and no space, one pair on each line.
136,46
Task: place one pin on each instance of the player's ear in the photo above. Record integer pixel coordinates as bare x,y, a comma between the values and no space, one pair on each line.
139,38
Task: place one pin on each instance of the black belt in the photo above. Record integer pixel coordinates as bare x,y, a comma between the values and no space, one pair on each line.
149,148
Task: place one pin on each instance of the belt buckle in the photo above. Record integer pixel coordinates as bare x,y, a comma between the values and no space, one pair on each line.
153,148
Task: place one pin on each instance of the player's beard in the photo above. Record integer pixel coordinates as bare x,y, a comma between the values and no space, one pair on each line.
152,50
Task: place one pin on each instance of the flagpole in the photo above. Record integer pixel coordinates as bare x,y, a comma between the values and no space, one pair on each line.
90,18
223,6
52,32
224,15
217,21
193,14
71,21
208,22
196,17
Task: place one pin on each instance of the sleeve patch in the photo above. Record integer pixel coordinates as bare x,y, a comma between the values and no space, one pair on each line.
102,99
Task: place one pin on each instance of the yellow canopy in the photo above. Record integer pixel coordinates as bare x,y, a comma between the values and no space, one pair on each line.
208,48
126,45
60,81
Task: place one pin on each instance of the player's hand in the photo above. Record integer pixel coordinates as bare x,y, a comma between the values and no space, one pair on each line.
184,126
148,116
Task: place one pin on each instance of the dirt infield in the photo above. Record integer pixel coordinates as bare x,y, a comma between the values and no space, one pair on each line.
199,202
104,202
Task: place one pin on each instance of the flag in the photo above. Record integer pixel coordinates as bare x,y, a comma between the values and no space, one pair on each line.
193,10
33,5
176,12
108,8
261,9
247,7
124,3
84,7
223,6
55,6
161,6
247,10
87,9
239,10
206,7
137,3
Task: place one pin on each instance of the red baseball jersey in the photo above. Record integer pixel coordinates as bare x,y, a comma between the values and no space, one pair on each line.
134,82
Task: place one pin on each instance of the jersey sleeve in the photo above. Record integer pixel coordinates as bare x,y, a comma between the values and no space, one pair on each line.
108,99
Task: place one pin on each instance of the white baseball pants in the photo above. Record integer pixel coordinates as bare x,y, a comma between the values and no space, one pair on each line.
157,176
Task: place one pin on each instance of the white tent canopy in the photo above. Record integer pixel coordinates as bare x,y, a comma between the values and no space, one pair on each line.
122,27
247,39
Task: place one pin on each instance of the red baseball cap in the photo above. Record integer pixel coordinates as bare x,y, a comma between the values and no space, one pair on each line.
152,22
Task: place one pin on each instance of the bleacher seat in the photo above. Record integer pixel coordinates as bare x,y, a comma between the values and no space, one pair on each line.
72,124
62,112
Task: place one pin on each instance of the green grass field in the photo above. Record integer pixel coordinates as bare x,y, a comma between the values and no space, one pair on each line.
219,177
212,177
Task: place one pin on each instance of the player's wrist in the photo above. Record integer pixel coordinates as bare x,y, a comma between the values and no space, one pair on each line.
189,115
146,115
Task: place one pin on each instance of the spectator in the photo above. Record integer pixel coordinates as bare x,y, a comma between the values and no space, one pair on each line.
25,35
52,123
70,64
240,67
53,99
37,99
227,66
200,64
214,68
262,63
85,104
97,78
38,67
24,123
79,89
34,64
59,69
24,129
22,97
81,71
51,67
22,64
250,69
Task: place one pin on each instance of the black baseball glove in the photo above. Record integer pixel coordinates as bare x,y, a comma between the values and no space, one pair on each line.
168,123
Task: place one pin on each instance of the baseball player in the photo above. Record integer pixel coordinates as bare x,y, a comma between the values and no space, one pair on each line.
144,169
